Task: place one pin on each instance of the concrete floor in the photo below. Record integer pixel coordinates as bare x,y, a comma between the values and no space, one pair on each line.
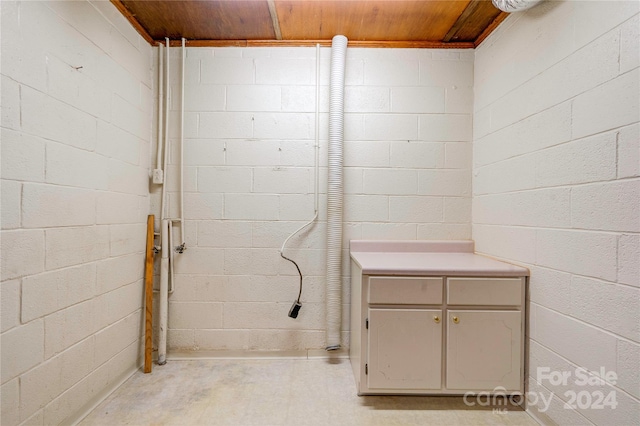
276,392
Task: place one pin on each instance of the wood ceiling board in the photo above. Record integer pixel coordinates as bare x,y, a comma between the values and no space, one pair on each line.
200,20
375,23
476,17
492,26
378,20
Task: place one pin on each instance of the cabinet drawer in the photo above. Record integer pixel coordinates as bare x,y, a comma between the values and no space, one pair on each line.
405,290
485,291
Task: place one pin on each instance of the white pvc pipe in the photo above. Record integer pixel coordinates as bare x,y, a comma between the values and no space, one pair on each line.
171,259
163,305
184,53
167,98
317,133
160,99
167,106
334,192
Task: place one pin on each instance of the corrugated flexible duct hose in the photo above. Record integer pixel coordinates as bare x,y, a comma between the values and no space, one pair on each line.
514,5
334,192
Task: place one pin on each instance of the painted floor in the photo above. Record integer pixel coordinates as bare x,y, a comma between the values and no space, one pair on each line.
276,392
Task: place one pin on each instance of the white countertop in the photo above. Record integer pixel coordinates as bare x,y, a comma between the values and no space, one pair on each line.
450,258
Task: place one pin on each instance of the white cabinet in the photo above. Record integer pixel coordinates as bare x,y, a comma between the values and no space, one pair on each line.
437,335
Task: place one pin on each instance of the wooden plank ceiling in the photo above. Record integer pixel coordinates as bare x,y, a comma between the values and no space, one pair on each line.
377,23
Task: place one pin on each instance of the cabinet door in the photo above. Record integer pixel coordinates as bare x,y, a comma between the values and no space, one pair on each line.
405,349
483,350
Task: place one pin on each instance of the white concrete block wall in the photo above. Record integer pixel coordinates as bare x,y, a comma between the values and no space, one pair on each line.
76,125
556,188
554,166
249,156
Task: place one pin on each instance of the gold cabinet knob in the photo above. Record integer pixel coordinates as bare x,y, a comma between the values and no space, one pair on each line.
455,320
436,319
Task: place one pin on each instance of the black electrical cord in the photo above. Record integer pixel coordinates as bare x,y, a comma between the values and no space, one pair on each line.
295,308
299,273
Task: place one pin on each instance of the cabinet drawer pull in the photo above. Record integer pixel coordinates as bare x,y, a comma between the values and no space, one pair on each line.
455,320
436,319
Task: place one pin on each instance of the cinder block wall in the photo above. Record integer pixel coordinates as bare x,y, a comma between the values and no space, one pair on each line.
556,187
76,124
249,150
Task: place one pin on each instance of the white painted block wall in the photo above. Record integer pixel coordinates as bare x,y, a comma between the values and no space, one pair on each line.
76,124
556,187
249,155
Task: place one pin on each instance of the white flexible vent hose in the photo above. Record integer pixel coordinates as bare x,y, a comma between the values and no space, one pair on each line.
514,5
334,192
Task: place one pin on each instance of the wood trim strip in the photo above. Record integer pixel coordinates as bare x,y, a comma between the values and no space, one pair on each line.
310,43
274,18
492,26
133,21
